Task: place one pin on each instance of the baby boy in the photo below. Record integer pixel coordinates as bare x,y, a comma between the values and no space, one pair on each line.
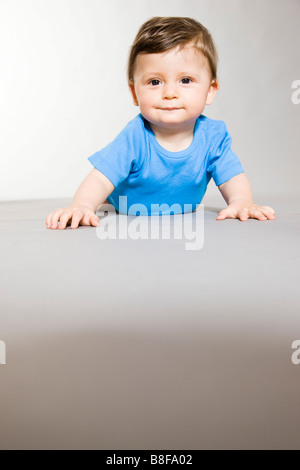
165,157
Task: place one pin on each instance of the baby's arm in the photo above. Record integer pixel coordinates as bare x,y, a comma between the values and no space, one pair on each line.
92,192
238,195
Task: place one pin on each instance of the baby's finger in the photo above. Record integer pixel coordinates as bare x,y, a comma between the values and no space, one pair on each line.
64,218
90,219
87,219
224,214
48,220
95,221
242,215
77,216
256,213
270,215
268,208
55,217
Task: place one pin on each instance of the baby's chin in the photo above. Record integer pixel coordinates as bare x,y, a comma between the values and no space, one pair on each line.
171,123
172,117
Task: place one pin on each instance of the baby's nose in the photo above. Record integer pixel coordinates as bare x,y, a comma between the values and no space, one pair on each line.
170,91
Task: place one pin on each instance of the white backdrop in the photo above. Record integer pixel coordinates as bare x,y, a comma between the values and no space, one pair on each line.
63,90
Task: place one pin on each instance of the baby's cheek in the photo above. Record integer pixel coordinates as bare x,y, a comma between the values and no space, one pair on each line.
197,105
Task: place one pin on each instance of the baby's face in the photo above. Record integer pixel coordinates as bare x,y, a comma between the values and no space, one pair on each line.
172,88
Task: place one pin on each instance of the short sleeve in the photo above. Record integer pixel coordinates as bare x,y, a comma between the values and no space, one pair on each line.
123,155
224,163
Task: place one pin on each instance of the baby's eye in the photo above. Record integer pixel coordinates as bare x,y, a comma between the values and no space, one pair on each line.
154,82
186,81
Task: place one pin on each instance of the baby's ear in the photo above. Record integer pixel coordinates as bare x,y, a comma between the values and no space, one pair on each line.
214,86
133,94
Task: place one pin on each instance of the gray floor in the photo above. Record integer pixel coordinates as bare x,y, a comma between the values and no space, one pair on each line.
141,344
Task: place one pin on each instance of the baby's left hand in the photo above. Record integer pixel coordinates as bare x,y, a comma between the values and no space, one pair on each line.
244,212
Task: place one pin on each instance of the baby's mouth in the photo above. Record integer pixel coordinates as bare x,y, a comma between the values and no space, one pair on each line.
169,108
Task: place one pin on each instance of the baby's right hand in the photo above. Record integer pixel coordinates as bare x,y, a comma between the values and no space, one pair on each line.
77,215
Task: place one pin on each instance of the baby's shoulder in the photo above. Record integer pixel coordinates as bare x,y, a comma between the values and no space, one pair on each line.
212,125
132,133
136,124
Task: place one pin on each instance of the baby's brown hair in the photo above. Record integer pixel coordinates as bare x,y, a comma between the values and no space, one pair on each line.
160,34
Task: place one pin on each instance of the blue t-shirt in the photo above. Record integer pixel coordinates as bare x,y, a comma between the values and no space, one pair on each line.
145,173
